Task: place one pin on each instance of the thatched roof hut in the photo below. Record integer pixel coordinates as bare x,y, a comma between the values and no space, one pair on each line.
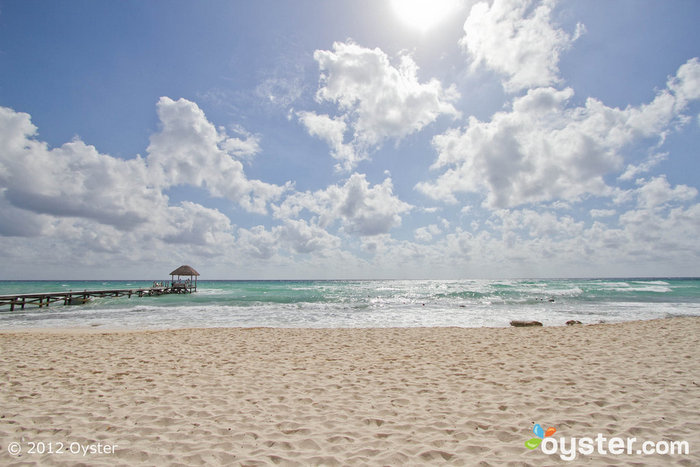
184,270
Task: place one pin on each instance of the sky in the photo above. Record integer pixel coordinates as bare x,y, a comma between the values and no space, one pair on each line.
362,139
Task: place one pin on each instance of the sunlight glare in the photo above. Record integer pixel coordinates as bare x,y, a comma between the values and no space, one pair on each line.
424,14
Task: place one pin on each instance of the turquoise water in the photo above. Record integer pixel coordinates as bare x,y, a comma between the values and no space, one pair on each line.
374,303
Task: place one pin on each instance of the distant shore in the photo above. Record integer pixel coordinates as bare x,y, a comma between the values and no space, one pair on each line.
391,396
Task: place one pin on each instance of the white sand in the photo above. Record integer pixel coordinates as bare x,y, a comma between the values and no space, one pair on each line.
338,397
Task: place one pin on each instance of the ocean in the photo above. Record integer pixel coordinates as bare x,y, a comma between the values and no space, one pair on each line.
362,303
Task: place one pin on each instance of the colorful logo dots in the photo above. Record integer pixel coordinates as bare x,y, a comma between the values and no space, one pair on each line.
532,443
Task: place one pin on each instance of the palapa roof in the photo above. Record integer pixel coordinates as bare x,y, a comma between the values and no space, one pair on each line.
184,270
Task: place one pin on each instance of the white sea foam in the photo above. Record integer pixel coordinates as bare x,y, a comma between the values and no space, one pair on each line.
204,291
650,288
375,304
651,282
570,292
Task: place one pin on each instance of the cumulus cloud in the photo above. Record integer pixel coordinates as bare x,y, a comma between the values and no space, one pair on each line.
656,232
81,198
543,149
245,147
602,212
257,242
189,150
363,209
426,234
328,129
377,100
656,237
332,131
302,237
295,236
536,224
538,151
17,222
686,84
517,39
194,224
657,192
73,180
633,170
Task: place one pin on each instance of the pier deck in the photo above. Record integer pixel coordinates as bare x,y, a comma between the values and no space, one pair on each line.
42,299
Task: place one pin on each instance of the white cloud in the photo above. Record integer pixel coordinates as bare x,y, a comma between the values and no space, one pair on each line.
659,236
686,84
426,234
633,170
543,149
74,198
602,212
526,242
378,101
516,38
257,242
242,148
296,236
19,222
369,210
363,209
657,192
539,151
194,224
279,92
332,131
189,150
282,85
73,180
301,237
545,224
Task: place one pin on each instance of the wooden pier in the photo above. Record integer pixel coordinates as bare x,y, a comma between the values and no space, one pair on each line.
43,299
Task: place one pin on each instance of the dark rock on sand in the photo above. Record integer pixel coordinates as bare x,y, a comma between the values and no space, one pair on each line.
522,324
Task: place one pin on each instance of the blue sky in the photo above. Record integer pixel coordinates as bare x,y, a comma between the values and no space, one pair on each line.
359,139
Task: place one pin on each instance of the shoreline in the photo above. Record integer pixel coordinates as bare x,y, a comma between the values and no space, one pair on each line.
115,330
362,304
377,396
108,329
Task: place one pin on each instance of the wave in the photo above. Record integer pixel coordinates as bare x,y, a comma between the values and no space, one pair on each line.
652,288
572,292
212,291
467,303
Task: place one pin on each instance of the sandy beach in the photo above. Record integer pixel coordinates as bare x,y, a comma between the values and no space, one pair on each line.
401,396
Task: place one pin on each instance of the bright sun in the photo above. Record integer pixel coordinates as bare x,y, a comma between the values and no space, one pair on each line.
424,14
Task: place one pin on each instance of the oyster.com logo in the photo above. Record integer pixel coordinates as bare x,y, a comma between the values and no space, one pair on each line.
569,448
541,434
